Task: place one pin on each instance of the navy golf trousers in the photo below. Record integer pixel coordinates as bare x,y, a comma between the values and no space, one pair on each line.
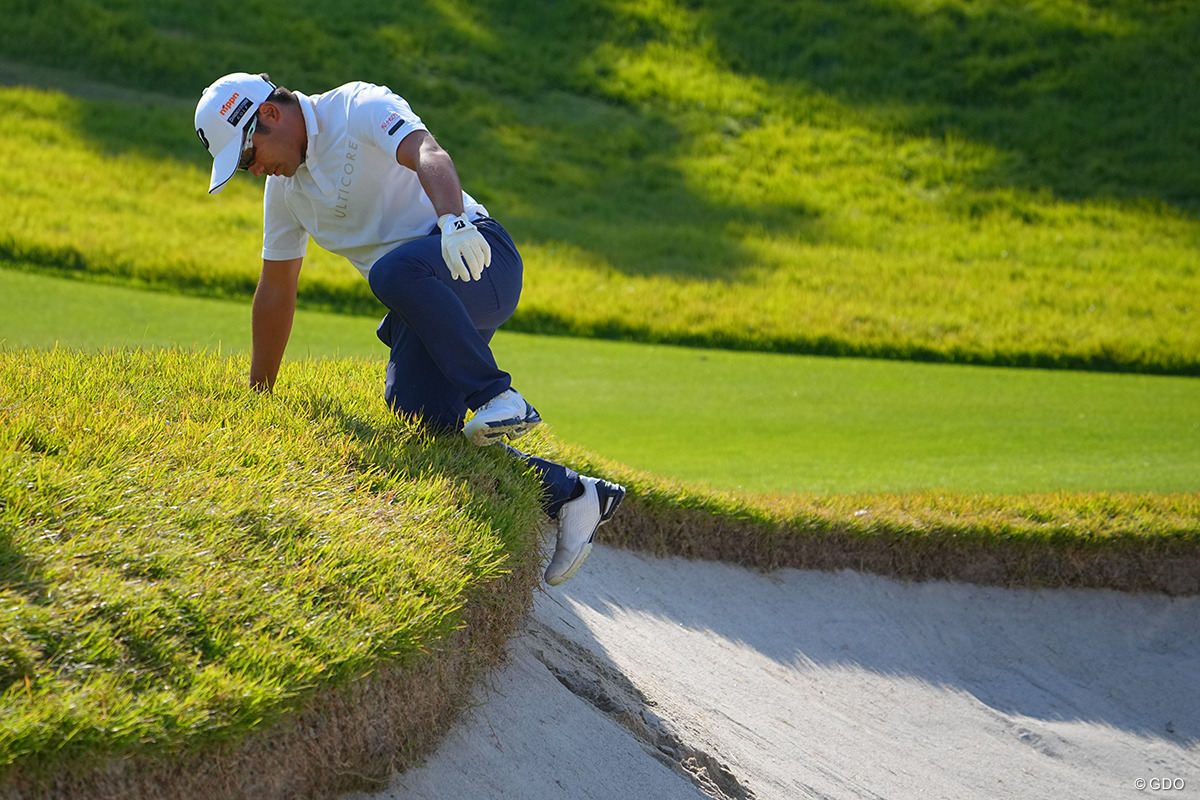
439,331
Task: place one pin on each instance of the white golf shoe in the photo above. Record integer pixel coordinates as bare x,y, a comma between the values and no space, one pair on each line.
506,414
578,520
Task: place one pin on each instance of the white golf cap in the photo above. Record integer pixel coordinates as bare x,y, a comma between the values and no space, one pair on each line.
224,111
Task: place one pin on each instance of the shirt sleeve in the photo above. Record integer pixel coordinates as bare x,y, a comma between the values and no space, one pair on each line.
283,236
385,118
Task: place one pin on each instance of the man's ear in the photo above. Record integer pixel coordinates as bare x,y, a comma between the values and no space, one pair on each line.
269,111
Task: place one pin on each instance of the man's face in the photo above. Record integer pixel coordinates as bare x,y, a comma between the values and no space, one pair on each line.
278,146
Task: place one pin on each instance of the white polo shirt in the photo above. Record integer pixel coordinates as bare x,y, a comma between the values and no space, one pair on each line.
351,196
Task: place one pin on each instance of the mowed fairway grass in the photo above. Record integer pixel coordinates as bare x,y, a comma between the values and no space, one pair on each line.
751,421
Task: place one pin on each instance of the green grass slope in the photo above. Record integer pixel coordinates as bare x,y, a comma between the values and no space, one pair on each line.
985,182
184,562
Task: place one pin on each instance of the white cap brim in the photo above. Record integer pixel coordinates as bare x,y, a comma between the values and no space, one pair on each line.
223,113
225,163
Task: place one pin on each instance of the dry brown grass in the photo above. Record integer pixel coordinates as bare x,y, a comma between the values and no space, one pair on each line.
1131,564
1123,542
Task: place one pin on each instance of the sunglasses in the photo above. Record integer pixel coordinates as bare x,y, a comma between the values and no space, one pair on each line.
248,151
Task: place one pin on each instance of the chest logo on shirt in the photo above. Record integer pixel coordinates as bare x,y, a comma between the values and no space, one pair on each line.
346,180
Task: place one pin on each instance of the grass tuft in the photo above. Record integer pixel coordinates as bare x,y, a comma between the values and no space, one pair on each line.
183,560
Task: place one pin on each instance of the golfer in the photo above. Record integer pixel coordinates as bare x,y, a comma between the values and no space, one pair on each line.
355,169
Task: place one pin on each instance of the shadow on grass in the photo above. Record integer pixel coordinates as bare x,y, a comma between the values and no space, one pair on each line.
21,577
1095,100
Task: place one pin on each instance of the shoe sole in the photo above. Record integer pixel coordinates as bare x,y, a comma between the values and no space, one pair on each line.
612,499
483,434
584,552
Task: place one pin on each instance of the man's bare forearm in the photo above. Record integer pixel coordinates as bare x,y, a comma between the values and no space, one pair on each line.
271,321
421,153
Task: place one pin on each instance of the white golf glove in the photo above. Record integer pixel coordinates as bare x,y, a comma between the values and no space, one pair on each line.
463,247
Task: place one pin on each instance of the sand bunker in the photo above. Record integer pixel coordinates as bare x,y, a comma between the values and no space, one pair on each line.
644,677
